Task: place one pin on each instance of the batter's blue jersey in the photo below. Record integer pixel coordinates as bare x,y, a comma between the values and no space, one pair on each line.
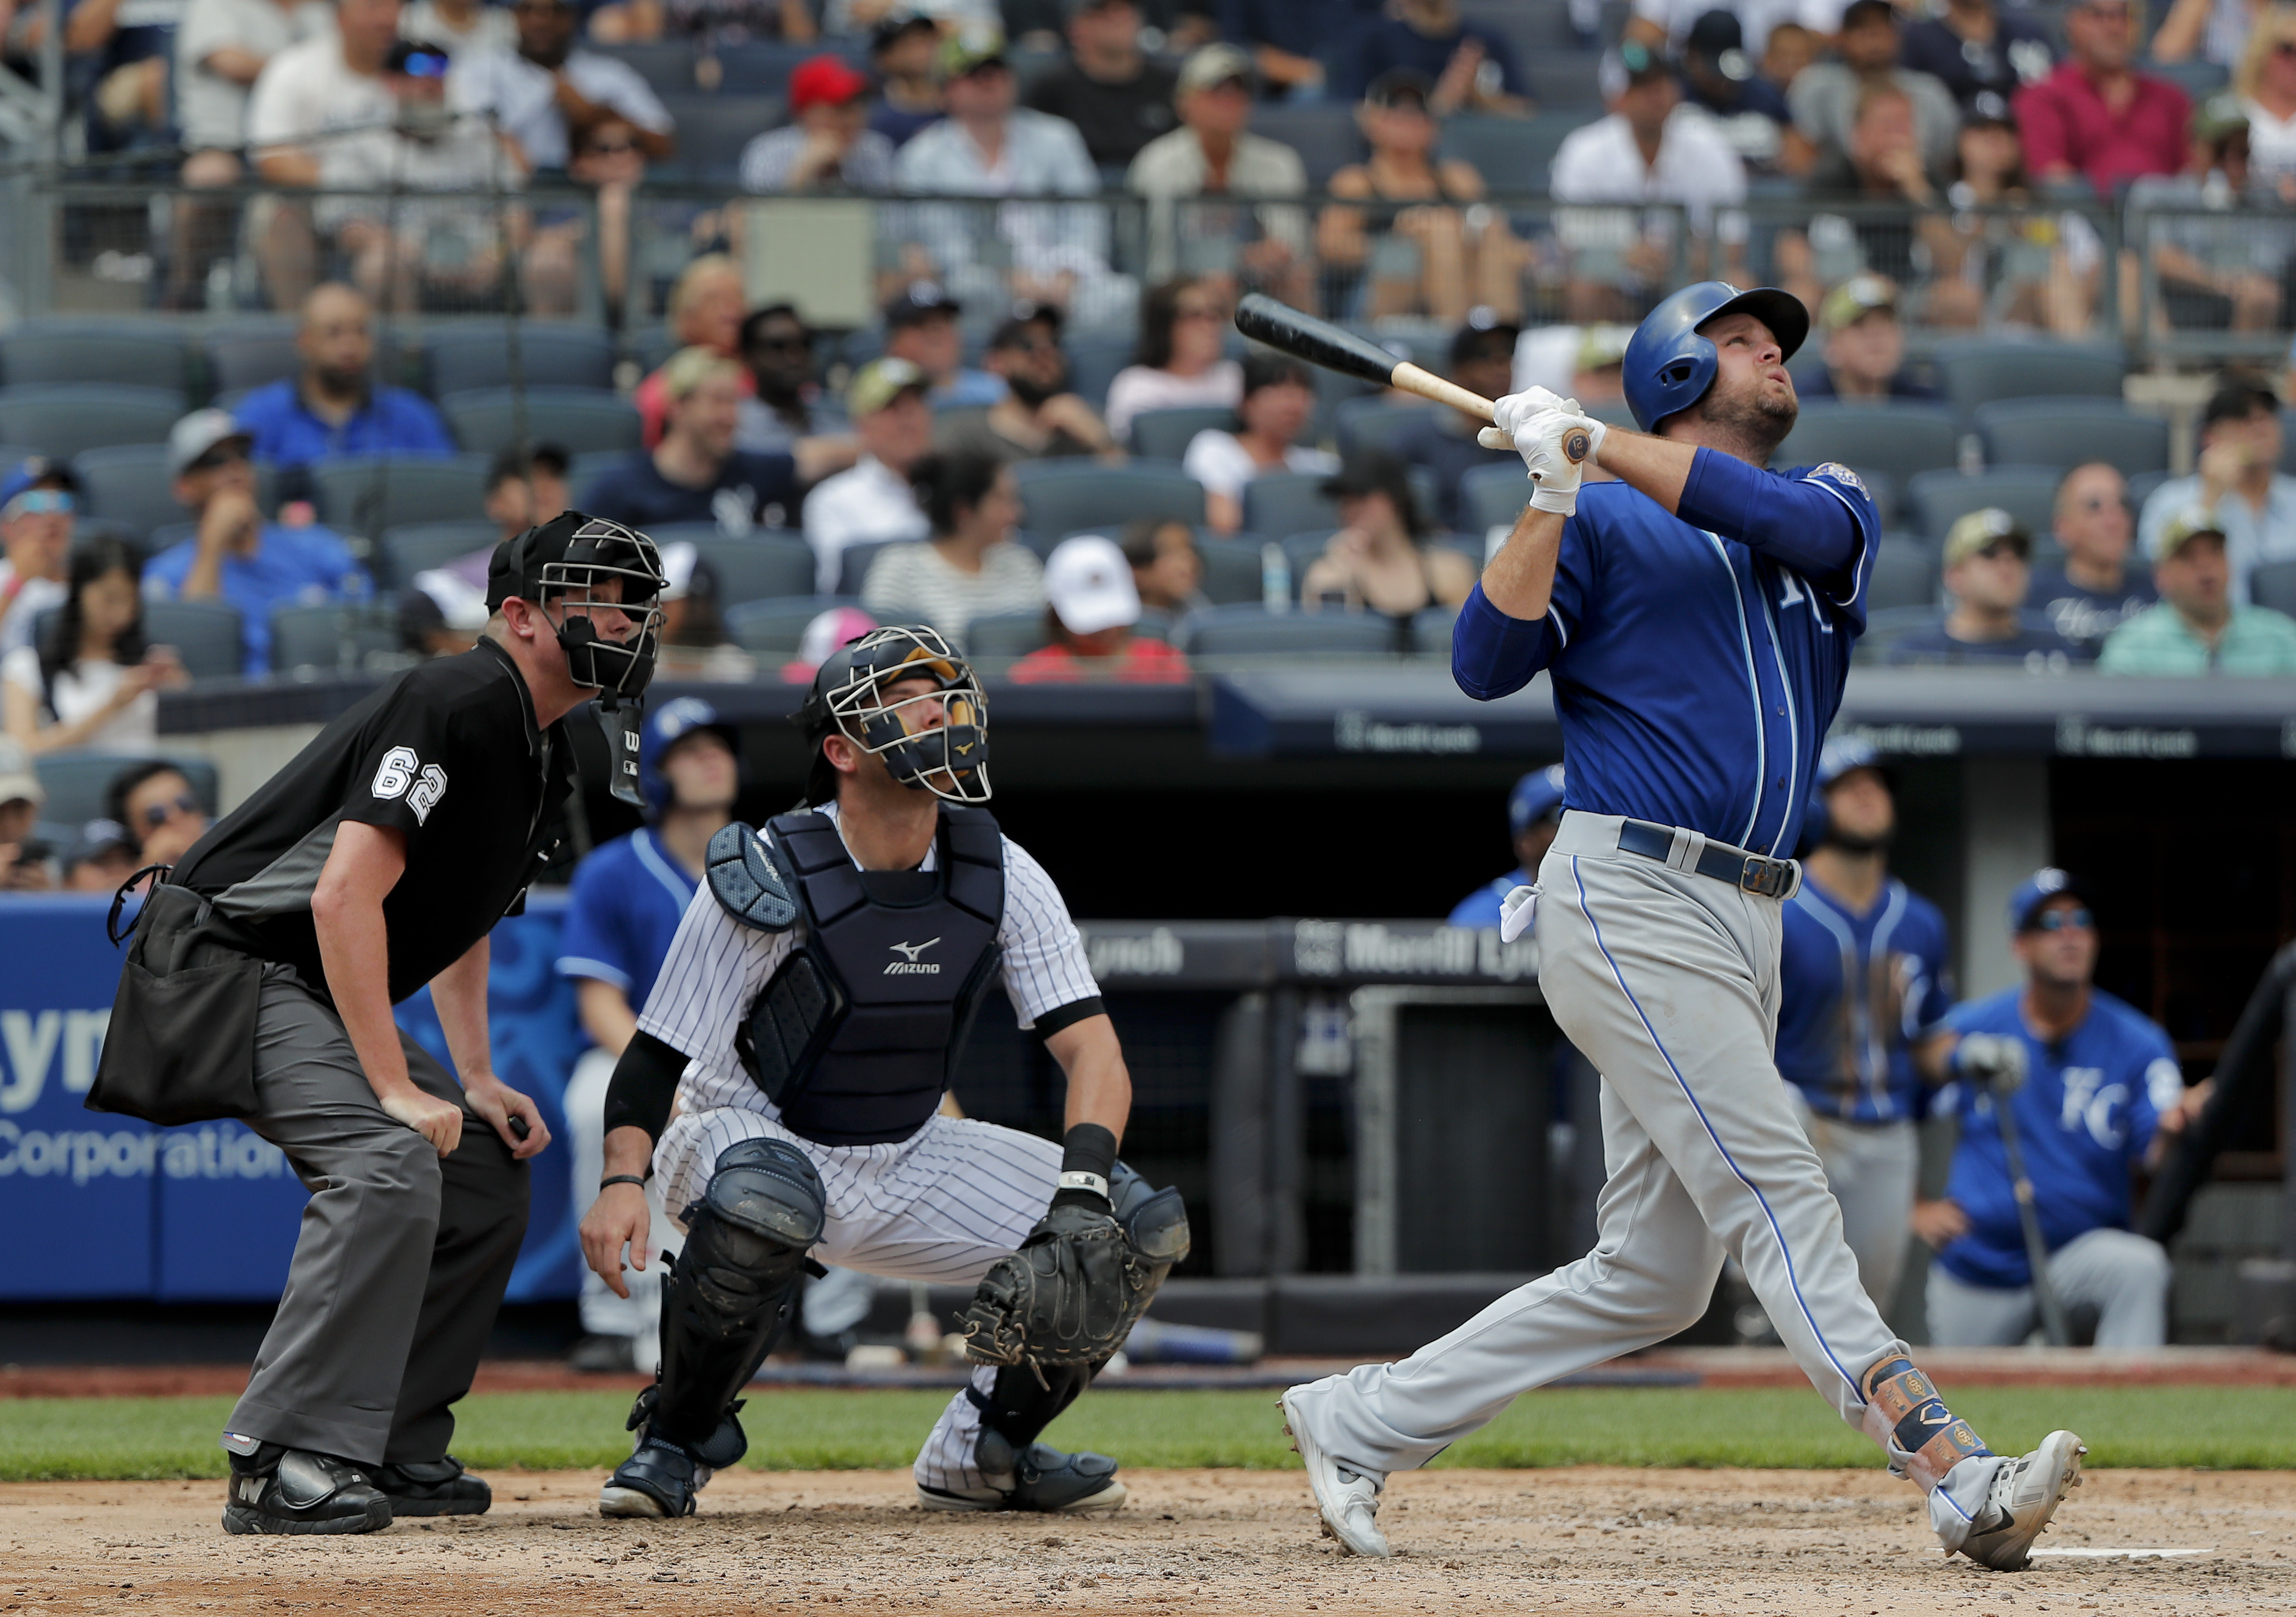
629,898
2087,1110
1698,659
1854,991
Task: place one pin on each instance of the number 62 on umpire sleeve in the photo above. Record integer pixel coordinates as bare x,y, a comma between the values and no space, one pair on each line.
400,769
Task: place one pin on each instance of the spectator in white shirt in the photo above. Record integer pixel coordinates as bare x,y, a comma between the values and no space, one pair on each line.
1278,401
1183,332
872,502
546,90
1650,149
92,683
1211,156
970,567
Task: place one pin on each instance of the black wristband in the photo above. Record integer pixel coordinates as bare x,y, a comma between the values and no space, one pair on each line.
637,1179
1088,1149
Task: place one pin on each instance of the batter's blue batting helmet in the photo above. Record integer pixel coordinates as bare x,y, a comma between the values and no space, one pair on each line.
1669,367
665,727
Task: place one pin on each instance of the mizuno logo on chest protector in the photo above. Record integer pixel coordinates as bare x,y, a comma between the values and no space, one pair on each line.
909,965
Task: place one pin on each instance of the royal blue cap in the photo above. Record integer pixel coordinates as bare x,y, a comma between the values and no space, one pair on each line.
1536,796
665,727
2037,890
1841,755
32,472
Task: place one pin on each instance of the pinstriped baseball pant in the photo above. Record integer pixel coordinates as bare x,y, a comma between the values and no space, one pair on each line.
1669,981
941,1205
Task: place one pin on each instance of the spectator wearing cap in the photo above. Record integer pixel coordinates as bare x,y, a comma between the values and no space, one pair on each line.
155,801
921,327
235,555
1091,607
1181,359
2237,481
22,796
695,474
1865,346
1647,150
1039,417
1212,154
2095,1091
38,499
1981,53
2219,259
1447,265
1116,96
1380,560
1278,402
828,145
905,56
100,858
891,404
706,303
1470,68
830,629
2097,119
525,489
1168,574
1443,440
1827,97
969,565
547,91
1988,569
788,412
1534,814
332,406
2198,628
93,681
1718,76
2094,590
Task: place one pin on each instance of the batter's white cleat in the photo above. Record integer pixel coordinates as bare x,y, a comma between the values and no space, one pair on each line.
2025,1494
1348,1502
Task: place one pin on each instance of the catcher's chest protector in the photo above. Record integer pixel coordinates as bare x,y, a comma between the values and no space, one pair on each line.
858,1032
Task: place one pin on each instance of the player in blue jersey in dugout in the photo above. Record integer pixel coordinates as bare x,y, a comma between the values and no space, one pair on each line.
1534,814
1863,975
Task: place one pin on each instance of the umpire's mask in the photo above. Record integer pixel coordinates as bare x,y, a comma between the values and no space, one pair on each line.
934,740
576,552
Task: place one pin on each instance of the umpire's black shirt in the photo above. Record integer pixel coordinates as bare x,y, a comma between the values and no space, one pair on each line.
450,754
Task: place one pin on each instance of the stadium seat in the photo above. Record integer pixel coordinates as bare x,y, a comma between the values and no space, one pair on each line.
1430,630
1978,371
2199,79
1559,80
1302,551
2067,431
667,65
762,67
1897,441
2274,584
553,354
771,631
1093,361
750,566
1166,434
1886,626
1905,574
1062,496
1937,499
62,419
1232,569
329,638
1372,422
141,353
413,547
128,484
1513,154
1288,503
1254,631
583,420
249,354
1323,133
362,495
206,634
1007,636
2142,486
2287,441
711,132
1492,497
853,565
78,782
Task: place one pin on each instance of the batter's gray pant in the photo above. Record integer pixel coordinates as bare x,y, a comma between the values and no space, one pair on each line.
404,1254
2124,1277
1872,1170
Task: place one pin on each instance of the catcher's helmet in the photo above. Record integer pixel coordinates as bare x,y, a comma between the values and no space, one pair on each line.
1669,365
935,741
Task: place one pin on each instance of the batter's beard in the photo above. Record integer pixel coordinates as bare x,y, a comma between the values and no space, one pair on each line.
1759,420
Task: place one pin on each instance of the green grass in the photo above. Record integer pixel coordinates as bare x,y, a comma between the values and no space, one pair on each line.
2239,1428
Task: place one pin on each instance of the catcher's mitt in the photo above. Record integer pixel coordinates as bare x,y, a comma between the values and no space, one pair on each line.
1069,1296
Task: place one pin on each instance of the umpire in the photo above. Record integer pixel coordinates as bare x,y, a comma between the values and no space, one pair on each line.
376,862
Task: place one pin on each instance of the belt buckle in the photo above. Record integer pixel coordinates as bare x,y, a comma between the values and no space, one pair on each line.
1760,876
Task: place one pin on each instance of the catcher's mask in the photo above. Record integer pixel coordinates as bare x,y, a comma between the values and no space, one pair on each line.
934,740
577,551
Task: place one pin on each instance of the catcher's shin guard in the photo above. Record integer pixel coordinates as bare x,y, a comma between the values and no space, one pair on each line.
735,1284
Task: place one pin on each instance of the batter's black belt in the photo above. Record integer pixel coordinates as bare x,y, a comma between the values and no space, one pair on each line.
1752,873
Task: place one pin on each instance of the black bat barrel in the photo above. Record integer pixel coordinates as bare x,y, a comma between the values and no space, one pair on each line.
1319,343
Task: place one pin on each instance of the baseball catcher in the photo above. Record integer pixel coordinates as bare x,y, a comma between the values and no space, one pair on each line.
806,1021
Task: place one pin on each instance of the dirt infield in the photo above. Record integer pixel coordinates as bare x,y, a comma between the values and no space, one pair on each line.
1566,1541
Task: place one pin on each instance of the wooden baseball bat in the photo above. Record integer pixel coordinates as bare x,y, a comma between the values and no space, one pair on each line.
1319,343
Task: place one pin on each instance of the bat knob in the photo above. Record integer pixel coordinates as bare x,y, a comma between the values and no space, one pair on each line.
1577,444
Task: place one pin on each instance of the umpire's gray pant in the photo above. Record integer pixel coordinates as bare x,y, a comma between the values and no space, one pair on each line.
2123,1276
403,1257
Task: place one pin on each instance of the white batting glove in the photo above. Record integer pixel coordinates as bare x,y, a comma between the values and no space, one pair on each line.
1556,446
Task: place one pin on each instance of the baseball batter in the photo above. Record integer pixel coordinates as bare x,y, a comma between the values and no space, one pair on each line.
1697,617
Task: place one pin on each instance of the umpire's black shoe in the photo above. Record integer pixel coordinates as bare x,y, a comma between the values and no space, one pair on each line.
278,1490
431,1487
1041,1479
660,1479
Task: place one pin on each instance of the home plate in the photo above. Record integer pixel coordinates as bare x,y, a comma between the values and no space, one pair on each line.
2103,1553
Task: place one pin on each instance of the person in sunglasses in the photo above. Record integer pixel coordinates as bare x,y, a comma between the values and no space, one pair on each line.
154,801
238,556
2094,1087
1988,569
37,499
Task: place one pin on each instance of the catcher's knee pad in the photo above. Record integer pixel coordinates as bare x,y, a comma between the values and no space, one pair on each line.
734,1286
1028,1398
